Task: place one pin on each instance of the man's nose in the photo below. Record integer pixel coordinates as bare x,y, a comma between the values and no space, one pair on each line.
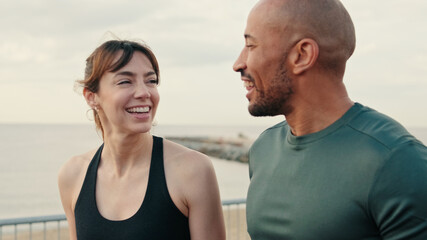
240,63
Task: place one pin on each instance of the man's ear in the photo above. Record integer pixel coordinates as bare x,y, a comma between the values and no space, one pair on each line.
303,55
90,98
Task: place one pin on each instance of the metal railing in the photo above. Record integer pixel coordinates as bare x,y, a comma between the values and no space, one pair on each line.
55,226
235,219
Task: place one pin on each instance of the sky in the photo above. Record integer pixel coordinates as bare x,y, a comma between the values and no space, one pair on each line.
44,45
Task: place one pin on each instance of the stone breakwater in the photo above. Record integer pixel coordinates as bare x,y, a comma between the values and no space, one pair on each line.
235,149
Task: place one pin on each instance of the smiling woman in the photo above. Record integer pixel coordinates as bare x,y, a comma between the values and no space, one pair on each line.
106,60
123,92
135,186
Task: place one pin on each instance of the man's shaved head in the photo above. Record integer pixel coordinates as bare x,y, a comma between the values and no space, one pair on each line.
325,21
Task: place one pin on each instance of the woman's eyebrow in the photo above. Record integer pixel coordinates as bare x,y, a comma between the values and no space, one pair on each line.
150,74
131,74
124,73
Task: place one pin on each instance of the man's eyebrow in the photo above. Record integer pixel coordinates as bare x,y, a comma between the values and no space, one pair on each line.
248,36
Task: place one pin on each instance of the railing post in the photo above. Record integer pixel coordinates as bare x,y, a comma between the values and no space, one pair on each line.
44,230
238,223
59,230
229,220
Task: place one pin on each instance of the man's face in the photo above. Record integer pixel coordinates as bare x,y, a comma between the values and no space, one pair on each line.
262,64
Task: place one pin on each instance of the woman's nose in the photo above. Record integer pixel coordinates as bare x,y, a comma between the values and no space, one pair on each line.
142,91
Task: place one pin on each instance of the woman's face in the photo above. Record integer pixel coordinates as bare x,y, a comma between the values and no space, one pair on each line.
127,99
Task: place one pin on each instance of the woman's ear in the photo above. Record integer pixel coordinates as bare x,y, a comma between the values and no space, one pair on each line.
90,98
303,55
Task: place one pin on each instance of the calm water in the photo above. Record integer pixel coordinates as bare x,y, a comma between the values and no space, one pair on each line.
31,155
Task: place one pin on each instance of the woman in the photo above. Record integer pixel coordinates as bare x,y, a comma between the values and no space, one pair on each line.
135,186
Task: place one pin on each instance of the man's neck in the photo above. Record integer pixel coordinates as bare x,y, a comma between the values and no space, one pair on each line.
310,118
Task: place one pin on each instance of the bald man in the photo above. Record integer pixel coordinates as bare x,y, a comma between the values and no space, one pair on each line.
335,169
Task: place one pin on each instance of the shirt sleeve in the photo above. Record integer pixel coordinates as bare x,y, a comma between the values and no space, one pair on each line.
398,197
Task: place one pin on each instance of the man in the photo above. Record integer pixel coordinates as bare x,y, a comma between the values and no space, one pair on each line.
334,169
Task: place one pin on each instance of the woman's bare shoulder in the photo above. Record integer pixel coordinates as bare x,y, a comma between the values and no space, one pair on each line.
191,174
74,168
179,154
186,164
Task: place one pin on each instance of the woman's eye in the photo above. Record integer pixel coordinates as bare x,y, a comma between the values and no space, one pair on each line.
121,82
153,81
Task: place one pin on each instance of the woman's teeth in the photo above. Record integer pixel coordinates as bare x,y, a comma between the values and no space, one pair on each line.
138,110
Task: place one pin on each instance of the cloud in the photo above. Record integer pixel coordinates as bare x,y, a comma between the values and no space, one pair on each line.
45,43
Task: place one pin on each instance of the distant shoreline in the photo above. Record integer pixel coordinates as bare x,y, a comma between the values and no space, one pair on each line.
235,149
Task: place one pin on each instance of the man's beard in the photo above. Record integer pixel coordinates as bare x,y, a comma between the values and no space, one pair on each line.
274,100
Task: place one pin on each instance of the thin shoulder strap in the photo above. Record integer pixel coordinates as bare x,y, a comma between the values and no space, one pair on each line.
93,169
87,192
157,181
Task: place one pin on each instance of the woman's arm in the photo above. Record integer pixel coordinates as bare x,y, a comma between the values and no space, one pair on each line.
203,200
70,179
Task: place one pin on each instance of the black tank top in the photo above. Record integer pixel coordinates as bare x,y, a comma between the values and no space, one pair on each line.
157,218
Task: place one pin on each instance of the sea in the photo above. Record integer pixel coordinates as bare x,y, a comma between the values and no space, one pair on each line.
31,155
